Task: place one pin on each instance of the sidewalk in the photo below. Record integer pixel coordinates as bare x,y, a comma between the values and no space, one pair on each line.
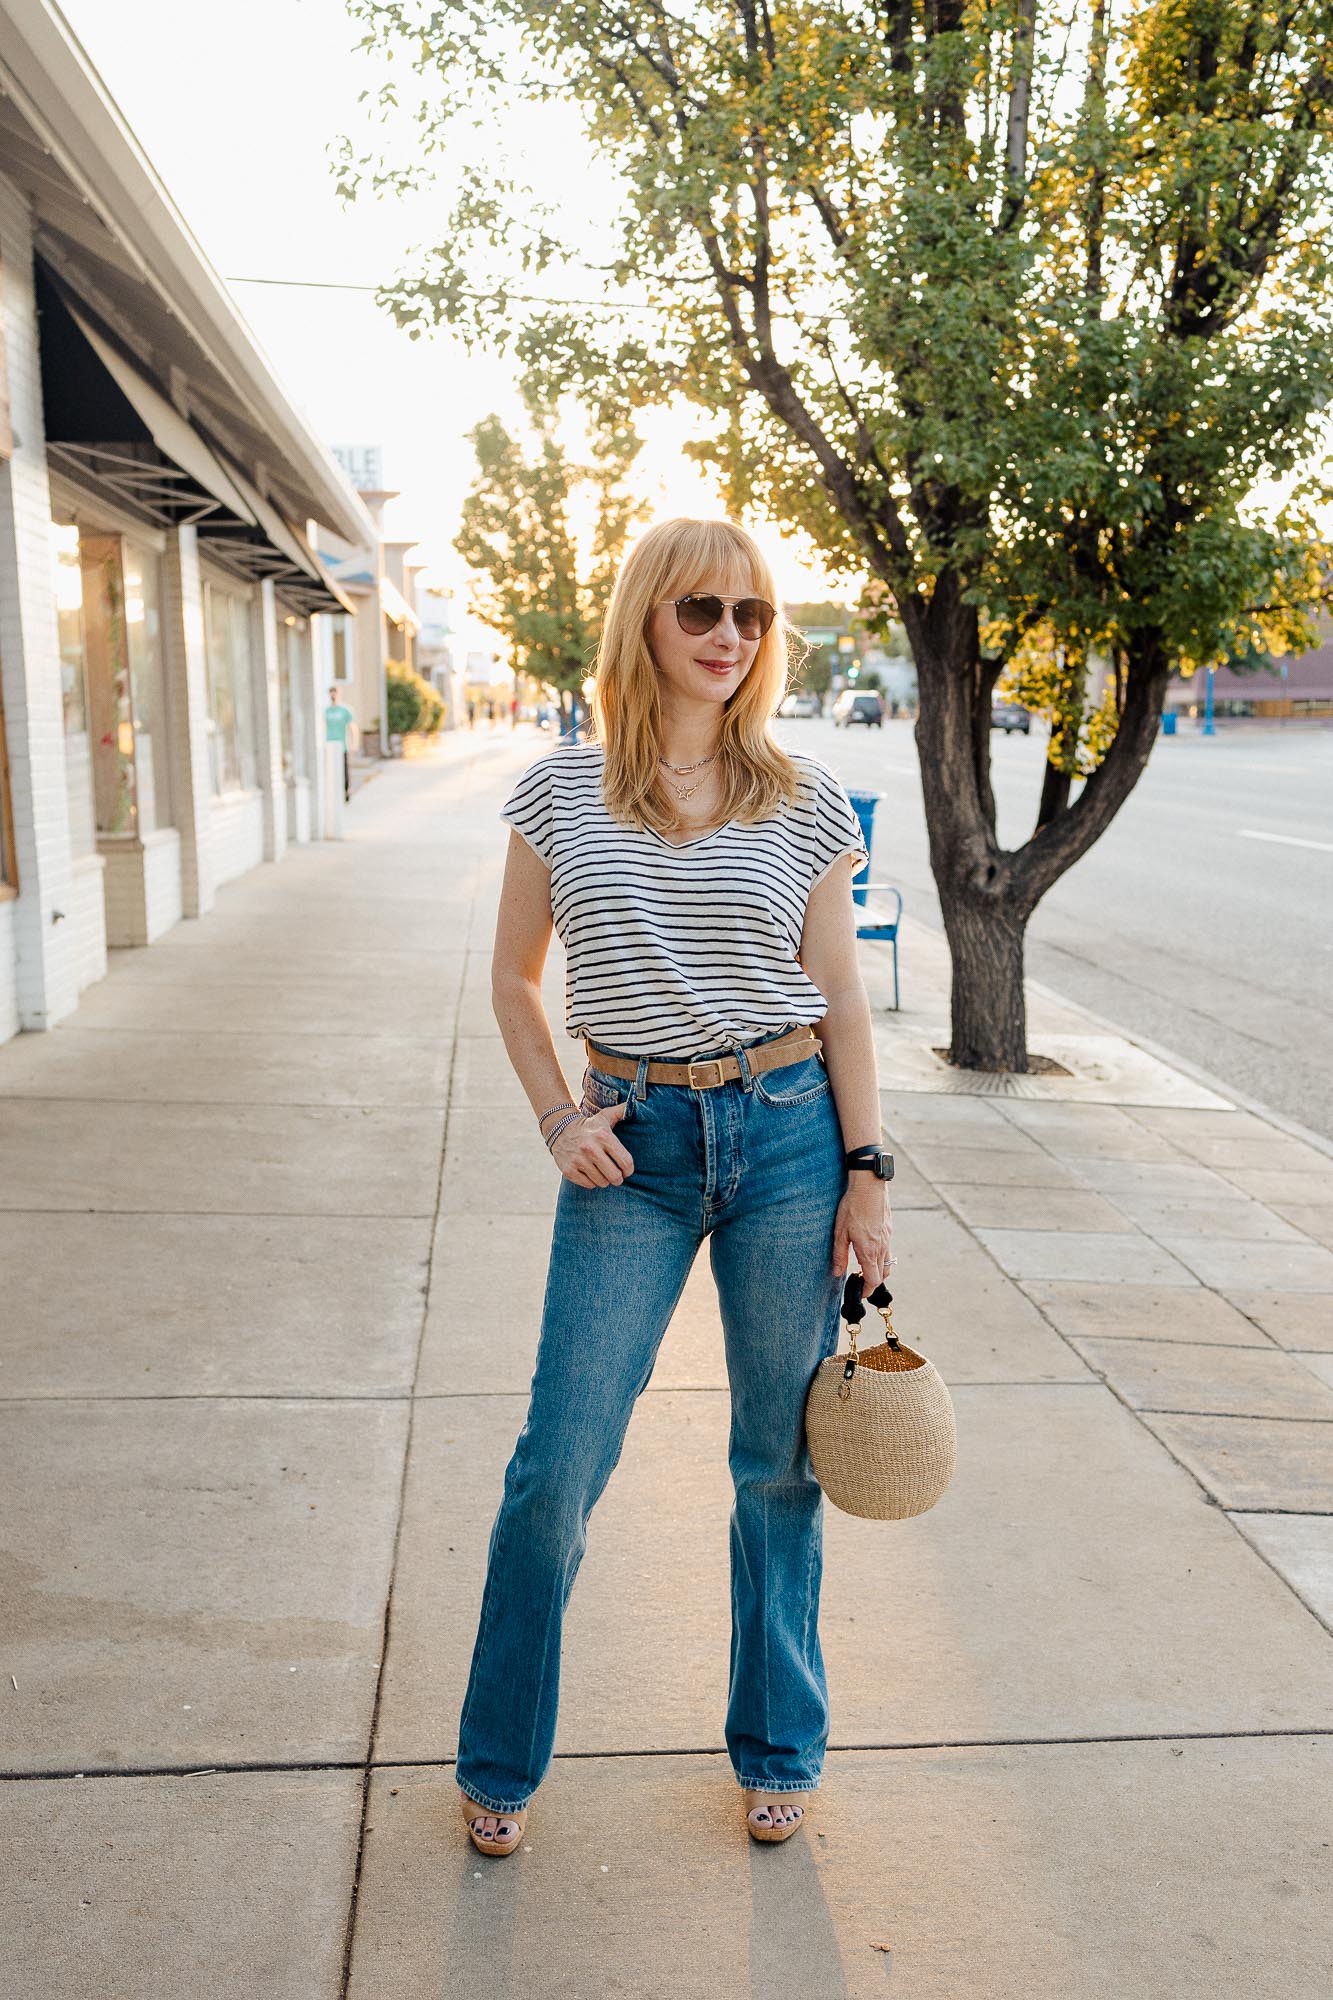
274,1222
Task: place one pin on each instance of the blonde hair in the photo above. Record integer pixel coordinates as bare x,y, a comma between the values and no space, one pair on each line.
756,774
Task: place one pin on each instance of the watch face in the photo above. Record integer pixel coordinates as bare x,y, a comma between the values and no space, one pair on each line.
884,1166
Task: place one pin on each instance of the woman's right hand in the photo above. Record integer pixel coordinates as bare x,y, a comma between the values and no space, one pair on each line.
588,1151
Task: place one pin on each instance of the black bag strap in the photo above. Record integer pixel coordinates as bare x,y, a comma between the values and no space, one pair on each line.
854,1302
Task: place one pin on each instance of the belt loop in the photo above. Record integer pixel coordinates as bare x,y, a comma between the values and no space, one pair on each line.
639,1088
743,1065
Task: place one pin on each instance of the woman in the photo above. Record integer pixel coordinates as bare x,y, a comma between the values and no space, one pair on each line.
699,878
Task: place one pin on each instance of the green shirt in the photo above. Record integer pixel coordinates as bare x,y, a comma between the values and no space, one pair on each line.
336,718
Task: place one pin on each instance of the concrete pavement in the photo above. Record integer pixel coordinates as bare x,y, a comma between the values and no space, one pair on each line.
274,1222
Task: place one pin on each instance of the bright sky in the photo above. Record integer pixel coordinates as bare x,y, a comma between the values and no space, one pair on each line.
236,122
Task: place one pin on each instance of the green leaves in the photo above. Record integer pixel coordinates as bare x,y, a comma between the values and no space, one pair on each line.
1025,298
537,582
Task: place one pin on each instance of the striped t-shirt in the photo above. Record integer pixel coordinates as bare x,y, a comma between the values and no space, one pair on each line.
672,950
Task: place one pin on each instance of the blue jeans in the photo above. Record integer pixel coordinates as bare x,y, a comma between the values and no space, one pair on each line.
756,1165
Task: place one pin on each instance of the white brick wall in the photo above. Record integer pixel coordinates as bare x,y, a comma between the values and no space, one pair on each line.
237,835
85,920
9,997
298,810
163,903
268,721
41,969
187,711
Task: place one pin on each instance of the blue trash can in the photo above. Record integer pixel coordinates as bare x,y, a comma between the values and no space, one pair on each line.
863,805
1169,722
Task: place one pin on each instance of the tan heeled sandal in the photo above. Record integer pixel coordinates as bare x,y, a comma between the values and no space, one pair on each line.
475,1816
755,1801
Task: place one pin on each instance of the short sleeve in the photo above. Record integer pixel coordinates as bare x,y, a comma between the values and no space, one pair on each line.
837,830
529,809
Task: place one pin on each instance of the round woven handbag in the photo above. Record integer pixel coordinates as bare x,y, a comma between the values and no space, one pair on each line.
880,1423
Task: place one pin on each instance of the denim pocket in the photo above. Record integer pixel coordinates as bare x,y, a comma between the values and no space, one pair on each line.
601,1089
793,1083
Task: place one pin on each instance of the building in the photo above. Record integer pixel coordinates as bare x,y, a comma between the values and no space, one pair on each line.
1299,687
400,620
437,659
378,581
160,591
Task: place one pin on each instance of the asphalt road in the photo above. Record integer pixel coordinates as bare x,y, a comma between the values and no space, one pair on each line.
1202,920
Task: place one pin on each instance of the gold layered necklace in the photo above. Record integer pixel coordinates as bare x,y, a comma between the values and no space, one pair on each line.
681,770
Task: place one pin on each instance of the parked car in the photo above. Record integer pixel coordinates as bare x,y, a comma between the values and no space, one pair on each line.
801,702
855,705
1007,715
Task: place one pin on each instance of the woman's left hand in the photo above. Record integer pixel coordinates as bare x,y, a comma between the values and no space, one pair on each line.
864,1223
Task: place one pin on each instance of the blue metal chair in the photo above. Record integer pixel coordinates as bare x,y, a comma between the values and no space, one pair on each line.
885,928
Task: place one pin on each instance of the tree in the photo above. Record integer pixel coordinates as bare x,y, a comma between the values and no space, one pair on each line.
412,703
815,622
518,539
1009,305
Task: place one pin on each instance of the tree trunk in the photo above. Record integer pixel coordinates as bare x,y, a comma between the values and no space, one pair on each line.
984,919
988,1006
1055,789
988,893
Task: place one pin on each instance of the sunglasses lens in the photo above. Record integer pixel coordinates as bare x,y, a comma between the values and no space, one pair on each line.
697,615
753,617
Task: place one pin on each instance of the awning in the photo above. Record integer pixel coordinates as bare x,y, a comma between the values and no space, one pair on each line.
395,606
103,413
305,575
172,435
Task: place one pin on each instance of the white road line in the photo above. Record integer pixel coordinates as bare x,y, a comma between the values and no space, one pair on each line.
1285,839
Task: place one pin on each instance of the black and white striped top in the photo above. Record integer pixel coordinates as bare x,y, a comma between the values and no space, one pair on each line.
673,950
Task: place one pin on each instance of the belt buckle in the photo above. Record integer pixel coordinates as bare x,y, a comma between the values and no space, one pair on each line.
712,1062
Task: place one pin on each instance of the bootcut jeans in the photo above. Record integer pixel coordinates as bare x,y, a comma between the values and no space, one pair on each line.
755,1165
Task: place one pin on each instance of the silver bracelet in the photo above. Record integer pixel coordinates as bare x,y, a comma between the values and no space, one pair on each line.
556,1130
565,1103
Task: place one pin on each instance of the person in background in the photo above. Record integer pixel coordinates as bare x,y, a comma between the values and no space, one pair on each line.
338,719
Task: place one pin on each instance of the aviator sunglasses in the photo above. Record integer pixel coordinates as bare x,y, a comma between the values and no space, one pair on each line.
698,614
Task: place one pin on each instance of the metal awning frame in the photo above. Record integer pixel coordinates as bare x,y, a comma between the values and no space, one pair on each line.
168,496
226,544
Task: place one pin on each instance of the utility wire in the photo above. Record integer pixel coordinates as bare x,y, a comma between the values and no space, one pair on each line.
519,298
513,298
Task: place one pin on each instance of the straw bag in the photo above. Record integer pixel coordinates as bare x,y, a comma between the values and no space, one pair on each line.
879,1424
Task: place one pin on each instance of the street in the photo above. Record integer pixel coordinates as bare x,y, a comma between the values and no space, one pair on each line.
1203,918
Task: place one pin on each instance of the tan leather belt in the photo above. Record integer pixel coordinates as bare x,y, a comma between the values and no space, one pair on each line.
798,1046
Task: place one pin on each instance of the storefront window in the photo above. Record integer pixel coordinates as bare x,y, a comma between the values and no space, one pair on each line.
231,726
340,640
110,714
143,637
289,695
69,618
108,608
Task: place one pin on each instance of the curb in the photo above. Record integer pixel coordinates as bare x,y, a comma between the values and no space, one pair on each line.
1291,1126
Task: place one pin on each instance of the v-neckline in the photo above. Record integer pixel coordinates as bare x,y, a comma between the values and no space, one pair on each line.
677,845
